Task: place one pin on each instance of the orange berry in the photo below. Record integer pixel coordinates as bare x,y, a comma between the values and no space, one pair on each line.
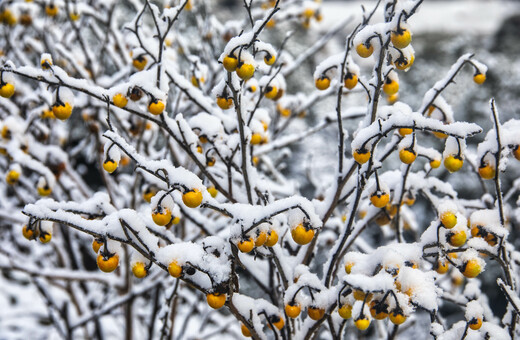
292,311
272,238
364,51
302,235
193,198
174,269
216,300
345,311
401,38
108,263
315,313
246,245
475,323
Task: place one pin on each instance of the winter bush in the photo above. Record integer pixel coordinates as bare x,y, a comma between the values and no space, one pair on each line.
186,151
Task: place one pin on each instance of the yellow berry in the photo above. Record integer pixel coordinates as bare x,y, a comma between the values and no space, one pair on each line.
302,235
479,78
448,219
192,198
277,321
230,63
442,267
256,138
213,191
210,161
393,98
148,194
516,152
174,269
272,239
407,155
245,71
7,17
45,237
96,245
269,59
271,92
140,62
409,200
457,279
402,63
292,311
401,38
397,318
435,163
471,268
308,13
405,131
378,310
51,9
365,51
362,323
440,135
44,190
47,114
351,80
156,107
74,16
453,256
491,239
487,172
139,270
260,239
161,216
246,245
195,82
27,232
110,166
457,239
360,295
12,177
361,156
224,103
120,100
245,331
390,87
46,63
348,267
453,163
476,231
315,313
345,311
6,90
286,112
379,200
216,300
62,111
109,263
475,323
322,83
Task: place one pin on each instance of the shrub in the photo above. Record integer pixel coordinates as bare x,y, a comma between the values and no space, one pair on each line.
174,162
